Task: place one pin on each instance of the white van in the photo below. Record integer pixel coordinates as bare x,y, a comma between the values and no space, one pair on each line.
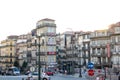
13,71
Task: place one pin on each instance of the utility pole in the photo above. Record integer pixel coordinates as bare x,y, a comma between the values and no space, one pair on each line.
80,75
39,63
39,66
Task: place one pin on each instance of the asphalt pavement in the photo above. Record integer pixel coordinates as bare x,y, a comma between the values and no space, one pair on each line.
60,76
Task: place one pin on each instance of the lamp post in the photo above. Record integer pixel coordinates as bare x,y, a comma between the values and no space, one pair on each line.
80,75
39,66
79,55
117,62
39,63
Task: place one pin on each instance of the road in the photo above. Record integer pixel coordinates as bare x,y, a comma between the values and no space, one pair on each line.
55,77
67,77
13,77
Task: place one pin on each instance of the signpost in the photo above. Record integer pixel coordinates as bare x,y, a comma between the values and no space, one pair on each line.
90,65
32,69
91,72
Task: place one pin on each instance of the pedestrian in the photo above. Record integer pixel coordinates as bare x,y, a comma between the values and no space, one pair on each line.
31,78
101,78
65,71
97,78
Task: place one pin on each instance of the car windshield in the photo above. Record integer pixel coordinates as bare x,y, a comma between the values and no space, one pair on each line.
15,69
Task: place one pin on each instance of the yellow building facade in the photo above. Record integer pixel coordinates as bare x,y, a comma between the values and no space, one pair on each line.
8,51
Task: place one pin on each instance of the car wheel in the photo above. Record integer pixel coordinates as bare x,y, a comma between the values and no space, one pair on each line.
44,79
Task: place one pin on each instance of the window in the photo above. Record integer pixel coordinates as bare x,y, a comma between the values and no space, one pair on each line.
117,29
50,59
51,29
118,38
51,49
98,50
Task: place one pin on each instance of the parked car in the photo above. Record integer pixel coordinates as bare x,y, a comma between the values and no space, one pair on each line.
49,73
13,71
26,73
34,75
3,72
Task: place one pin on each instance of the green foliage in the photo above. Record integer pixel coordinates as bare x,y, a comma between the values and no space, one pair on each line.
24,64
16,63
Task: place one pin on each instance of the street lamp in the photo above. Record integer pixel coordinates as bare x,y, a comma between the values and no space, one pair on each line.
39,63
79,55
118,62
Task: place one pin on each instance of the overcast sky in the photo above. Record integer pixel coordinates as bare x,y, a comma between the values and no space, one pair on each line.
20,16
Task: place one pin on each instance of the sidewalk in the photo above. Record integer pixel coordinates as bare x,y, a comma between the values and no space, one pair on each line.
108,77
112,77
76,75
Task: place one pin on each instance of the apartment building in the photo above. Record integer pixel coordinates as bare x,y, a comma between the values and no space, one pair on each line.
46,38
84,45
8,52
69,49
26,50
99,49
115,44
21,51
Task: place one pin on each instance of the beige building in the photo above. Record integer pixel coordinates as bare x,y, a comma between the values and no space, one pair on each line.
46,37
21,51
99,49
8,52
115,44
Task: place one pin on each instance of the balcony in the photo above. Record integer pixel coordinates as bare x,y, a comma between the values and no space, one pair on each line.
7,56
51,44
96,55
63,57
99,36
106,64
46,25
86,40
33,44
69,55
86,48
98,66
43,63
6,62
68,48
41,53
103,55
51,34
95,45
103,46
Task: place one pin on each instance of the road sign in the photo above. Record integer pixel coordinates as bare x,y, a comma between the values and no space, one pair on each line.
90,65
91,72
32,69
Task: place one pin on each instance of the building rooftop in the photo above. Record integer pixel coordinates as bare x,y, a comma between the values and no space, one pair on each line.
21,40
46,19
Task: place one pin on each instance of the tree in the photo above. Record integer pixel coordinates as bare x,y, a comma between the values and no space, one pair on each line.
24,64
16,63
